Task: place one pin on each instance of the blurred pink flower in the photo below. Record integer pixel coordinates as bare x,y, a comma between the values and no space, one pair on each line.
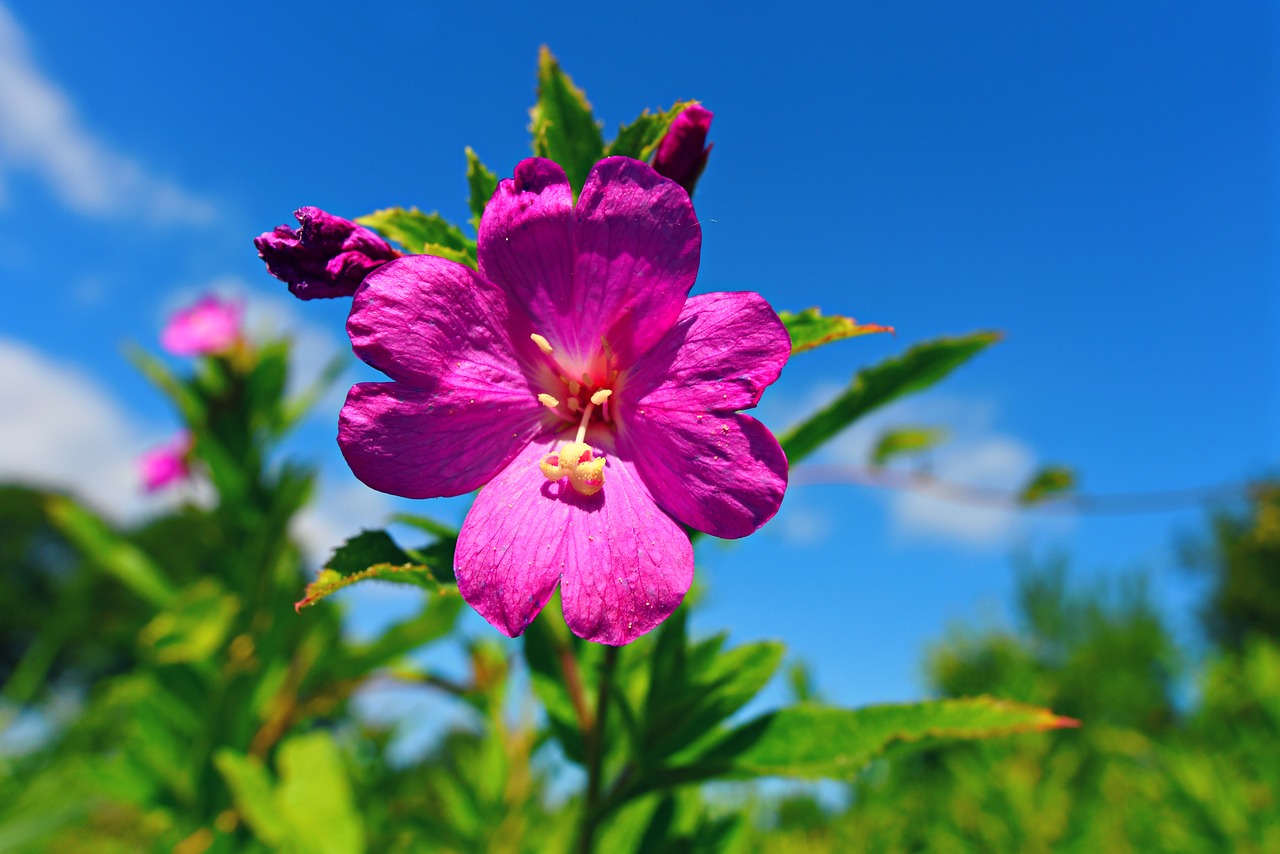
575,380
210,326
167,464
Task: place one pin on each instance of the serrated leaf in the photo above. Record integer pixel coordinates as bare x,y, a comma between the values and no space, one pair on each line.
817,742
365,549
422,233
1048,483
481,183
810,328
329,582
640,139
915,370
900,441
563,126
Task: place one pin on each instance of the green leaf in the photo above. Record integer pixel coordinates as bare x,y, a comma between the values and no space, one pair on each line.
422,233
194,626
482,184
315,796
1048,483
640,138
915,370
810,329
900,441
373,555
562,124
816,742
108,551
179,391
253,793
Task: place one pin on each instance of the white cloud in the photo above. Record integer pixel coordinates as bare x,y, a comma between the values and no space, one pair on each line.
61,430
340,511
41,133
977,454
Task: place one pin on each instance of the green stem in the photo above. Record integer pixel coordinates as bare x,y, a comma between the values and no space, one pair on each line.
595,749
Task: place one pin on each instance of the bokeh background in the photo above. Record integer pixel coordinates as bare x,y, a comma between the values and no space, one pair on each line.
1096,180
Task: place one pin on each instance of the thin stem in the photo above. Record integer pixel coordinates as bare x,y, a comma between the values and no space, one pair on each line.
595,750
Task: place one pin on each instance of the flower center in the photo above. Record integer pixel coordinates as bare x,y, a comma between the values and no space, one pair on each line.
576,460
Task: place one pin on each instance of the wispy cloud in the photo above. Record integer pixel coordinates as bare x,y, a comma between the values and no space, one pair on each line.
40,133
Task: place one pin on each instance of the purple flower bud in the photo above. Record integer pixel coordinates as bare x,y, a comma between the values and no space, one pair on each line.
327,256
681,154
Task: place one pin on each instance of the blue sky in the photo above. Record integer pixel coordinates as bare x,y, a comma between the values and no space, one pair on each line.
1097,180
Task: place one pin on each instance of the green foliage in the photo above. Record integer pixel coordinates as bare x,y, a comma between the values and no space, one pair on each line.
562,125
903,441
639,140
1048,483
915,370
423,233
481,184
809,328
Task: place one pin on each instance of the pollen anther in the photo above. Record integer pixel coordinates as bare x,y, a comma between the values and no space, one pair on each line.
601,396
577,462
543,344
548,401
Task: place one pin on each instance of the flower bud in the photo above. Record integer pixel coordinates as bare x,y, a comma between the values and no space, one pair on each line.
681,155
327,256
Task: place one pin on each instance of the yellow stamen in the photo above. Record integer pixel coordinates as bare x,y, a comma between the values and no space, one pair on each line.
548,401
574,386
543,344
579,464
573,404
601,396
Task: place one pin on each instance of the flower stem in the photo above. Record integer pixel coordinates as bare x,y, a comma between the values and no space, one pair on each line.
595,750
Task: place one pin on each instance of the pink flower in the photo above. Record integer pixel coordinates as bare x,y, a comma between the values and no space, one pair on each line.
325,257
683,152
167,464
210,326
576,378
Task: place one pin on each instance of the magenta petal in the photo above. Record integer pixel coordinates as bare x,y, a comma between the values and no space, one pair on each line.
638,244
716,471
525,245
625,565
419,443
724,475
723,351
429,322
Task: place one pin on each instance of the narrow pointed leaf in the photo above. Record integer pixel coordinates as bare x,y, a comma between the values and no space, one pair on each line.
563,126
108,551
902,441
915,370
481,183
315,796
816,742
810,328
253,793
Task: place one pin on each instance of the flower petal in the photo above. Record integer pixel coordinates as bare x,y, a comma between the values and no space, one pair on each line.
724,475
716,471
720,355
429,322
420,443
525,245
638,244
625,565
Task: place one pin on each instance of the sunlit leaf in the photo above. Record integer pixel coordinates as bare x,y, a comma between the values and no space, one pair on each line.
915,370
422,233
563,126
1048,483
329,582
315,796
194,625
640,139
901,441
810,328
253,793
814,742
